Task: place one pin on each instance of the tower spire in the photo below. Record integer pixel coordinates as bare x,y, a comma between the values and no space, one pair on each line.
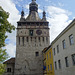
44,14
22,13
33,6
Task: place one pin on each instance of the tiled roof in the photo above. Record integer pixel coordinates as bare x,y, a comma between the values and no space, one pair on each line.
10,61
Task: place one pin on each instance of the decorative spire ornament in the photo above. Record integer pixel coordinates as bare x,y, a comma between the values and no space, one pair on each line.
22,13
44,13
33,0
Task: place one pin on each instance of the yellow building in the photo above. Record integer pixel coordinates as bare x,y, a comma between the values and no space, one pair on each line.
48,61
44,62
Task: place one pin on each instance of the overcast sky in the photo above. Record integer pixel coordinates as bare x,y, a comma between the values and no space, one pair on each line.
59,14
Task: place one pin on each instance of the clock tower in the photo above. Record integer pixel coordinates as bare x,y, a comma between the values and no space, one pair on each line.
32,37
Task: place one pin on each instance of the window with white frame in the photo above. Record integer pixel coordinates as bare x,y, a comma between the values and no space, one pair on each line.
57,48
73,59
55,65
51,67
59,64
71,39
48,67
66,62
64,44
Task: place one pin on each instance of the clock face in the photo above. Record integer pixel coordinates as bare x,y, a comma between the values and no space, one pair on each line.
39,32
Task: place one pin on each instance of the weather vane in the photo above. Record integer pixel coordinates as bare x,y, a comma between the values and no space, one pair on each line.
33,0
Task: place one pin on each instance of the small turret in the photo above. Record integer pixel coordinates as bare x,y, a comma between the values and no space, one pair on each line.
22,15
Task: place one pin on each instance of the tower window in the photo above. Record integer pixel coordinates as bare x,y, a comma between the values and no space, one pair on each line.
37,53
47,39
39,39
8,69
43,39
23,40
31,32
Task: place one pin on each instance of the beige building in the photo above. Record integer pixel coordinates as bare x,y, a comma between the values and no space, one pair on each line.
64,51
